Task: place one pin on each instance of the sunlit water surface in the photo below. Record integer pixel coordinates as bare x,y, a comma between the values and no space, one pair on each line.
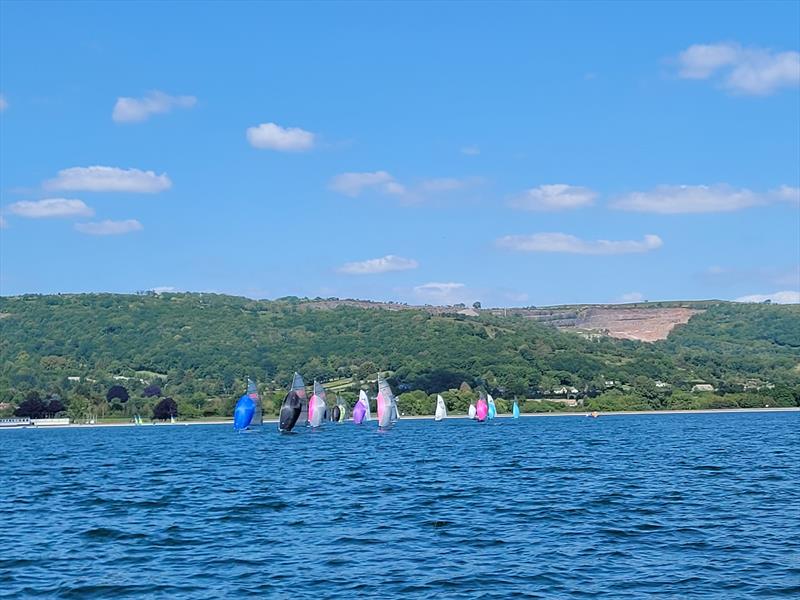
667,506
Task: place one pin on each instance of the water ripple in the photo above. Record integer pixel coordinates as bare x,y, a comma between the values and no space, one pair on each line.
618,507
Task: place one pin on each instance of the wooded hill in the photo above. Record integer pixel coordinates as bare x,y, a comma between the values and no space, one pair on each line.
199,348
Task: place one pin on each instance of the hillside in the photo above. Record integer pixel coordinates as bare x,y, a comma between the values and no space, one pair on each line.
201,346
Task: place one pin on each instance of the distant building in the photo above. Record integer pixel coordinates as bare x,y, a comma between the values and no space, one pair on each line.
73,378
757,384
702,387
564,401
661,384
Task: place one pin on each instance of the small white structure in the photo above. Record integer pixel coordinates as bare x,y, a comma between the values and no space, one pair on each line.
50,422
702,387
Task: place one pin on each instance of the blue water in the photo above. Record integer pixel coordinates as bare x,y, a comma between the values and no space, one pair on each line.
667,506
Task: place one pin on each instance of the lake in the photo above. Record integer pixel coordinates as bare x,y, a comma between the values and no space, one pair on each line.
667,506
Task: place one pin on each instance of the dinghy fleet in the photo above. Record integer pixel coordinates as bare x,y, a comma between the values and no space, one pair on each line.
299,410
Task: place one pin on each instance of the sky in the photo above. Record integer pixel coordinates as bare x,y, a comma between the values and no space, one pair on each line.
514,154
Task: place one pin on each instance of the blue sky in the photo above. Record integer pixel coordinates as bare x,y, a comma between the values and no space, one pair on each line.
514,153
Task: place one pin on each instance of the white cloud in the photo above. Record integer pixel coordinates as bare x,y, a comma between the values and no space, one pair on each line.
163,289
569,244
676,199
283,139
109,227
447,184
558,196
3,102
787,193
50,207
756,71
382,182
353,184
699,61
631,297
379,265
680,199
441,293
471,150
109,179
133,110
784,297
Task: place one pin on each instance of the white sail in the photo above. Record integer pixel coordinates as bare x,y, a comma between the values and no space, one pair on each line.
492,407
387,405
441,408
317,406
362,397
471,411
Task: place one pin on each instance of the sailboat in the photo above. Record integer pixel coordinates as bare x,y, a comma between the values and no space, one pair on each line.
387,405
299,387
342,406
361,409
515,409
242,413
482,408
317,407
492,408
471,411
252,392
441,408
294,405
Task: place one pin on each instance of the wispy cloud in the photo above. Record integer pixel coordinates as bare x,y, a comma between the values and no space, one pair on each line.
3,222
109,179
786,193
441,293
558,196
680,199
383,183
569,244
3,102
783,297
354,184
109,227
135,110
379,265
717,275
631,297
49,208
271,136
754,71
471,150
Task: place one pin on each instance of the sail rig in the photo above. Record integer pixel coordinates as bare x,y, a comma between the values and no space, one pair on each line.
441,408
317,406
361,409
471,412
299,388
342,406
482,408
387,405
492,408
243,413
252,392
515,409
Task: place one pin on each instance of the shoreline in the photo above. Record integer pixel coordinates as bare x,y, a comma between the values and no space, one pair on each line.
430,417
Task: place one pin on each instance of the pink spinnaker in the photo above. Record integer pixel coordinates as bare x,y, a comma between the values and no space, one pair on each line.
482,409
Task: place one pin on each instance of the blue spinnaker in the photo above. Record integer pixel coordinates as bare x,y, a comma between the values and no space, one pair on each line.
243,413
